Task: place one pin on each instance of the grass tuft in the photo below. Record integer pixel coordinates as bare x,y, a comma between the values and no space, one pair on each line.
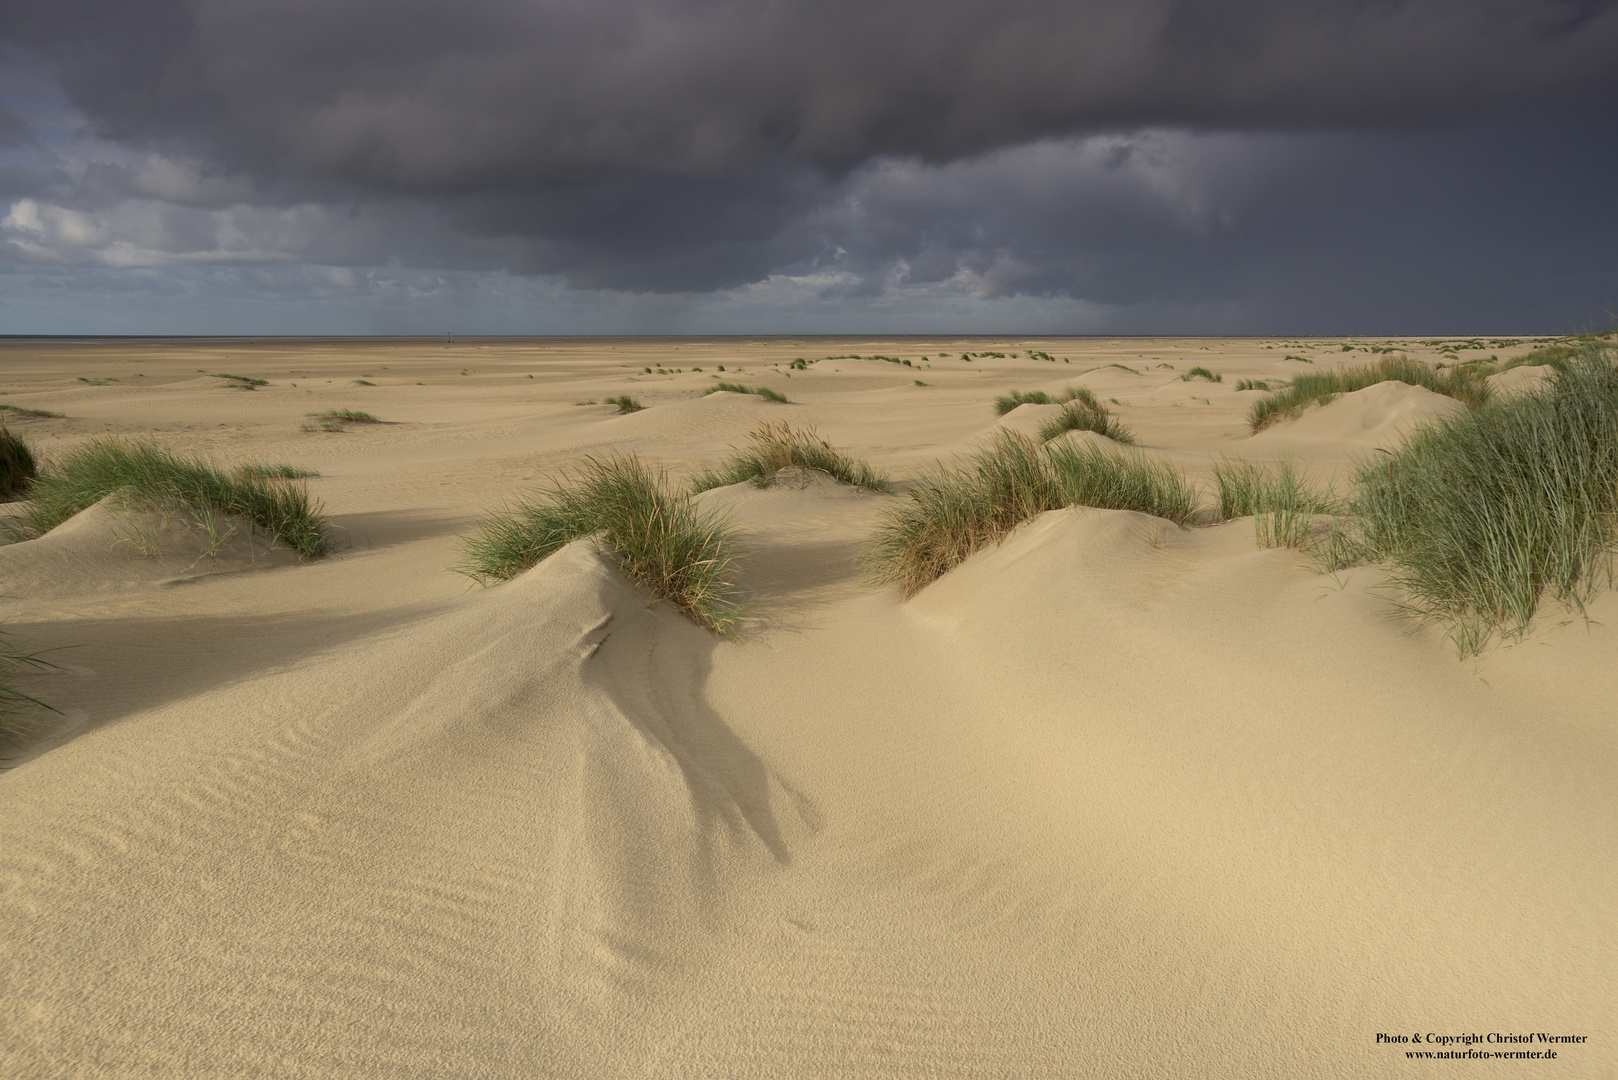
1482,513
17,466
1010,400
1200,372
147,475
776,447
625,403
975,504
1461,383
352,416
258,470
737,388
1281,503
662,541
20,410
1082,412
242,382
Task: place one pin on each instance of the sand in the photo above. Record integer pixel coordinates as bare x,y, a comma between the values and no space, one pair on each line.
1114,799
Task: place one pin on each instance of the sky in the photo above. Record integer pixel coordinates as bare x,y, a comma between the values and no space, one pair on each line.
1343,167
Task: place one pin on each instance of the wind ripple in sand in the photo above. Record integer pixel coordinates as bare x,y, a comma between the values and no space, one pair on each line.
467,834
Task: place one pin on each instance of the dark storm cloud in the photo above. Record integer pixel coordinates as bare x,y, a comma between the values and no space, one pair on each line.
432,95
13,129
1341,162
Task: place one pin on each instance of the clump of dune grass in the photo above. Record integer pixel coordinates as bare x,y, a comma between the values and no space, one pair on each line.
16,707
1081,396
242,382
351,416
625,403
1554,355
661,540
19,410
972,505
1091,475
737,388
1281,502
145,475
774,447
1082,412
17,465
1011,399
259,470
1484,512
1252,384
1200,372
1463,384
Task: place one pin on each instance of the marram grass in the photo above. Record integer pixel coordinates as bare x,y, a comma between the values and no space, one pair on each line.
737,388
975,504
260,470
145,474
1483,513
1282,503
17,465
1082,412
17,709
662,541
774,447
1463,384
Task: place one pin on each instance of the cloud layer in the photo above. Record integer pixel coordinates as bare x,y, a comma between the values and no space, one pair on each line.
1247,163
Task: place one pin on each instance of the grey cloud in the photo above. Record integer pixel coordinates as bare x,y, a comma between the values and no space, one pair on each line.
1351,165
13,128
422,95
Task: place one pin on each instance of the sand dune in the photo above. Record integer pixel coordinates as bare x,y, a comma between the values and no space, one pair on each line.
1114,798
1376,418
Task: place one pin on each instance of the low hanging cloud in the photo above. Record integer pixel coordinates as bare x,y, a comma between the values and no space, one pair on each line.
1353,162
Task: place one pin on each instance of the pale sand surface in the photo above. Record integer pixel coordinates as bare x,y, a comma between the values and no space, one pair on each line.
1114,799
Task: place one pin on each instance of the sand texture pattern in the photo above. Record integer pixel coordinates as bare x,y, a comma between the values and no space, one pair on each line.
1113,798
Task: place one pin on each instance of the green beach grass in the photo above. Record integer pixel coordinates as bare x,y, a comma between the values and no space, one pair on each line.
1082,412
17,465
661,540
1482,514
974,504
773,447
1282,503
737,388
145,475
1465,385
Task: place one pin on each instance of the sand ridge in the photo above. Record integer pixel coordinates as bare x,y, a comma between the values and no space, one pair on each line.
1114,798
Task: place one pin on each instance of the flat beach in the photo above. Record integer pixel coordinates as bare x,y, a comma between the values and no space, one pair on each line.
1115,797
